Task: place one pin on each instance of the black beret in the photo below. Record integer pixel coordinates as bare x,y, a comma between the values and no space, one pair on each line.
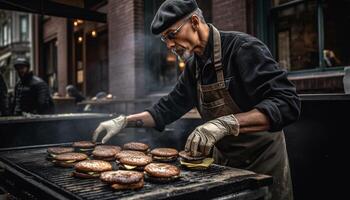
170,12
21,62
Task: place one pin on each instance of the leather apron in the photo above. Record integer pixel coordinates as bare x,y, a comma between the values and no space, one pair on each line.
260,152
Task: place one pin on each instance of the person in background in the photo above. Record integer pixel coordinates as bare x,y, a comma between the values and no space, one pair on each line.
100,96
32,94
3,97
72,91
330,59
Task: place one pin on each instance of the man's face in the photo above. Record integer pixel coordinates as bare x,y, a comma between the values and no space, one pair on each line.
22,70
179,37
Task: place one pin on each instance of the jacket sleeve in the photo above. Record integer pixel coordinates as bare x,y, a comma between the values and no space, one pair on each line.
177,103
3,97
267,85
44,100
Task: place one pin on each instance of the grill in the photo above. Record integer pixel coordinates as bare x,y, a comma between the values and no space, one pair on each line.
27,174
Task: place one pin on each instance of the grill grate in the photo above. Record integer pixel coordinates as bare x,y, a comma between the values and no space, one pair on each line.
33,161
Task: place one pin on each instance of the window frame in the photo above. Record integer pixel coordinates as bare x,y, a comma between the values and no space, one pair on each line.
265,26
5,33
26,33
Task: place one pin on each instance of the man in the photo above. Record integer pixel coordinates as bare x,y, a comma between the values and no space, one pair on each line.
237,87
3,97
73,91
32,94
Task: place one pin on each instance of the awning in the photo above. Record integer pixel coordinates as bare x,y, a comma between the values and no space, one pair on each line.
48,7
4,61
5,55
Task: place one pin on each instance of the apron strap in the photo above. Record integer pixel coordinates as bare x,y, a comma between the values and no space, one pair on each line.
217,55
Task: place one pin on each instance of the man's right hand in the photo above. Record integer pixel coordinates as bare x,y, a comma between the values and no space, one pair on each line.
112,127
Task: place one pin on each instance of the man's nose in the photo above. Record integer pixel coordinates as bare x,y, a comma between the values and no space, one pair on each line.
170,44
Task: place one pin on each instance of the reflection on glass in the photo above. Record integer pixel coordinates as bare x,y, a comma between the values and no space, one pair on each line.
50,62
336,32
296,36
279,2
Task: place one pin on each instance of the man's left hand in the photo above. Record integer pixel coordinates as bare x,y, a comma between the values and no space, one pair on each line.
203,138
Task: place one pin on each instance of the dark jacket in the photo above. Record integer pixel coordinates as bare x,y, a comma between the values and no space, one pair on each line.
3,97
253,78
32,95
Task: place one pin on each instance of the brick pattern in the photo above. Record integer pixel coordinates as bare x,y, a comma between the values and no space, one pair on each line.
139,47
56,27
125,29
230,15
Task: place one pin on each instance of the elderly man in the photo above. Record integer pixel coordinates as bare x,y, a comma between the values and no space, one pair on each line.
237,87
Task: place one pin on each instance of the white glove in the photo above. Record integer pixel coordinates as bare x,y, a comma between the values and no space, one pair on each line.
112,127
203,138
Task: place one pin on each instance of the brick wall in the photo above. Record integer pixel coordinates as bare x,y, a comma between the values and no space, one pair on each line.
56,27
125,29
230,15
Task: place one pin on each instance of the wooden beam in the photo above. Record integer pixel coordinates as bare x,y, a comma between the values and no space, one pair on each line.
47,7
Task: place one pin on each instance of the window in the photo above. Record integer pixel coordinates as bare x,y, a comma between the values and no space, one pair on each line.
296,36
50,67
306,34
336,33
5,34
24,28
1,38
78,60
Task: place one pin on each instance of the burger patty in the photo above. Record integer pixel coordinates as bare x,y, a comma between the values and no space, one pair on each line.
162,170
104,158
93,166
84,144
59,150
104,152
136,160
164,159
136,146
121,177
86,174
195,163
132,186
188,158
71,157
66,164
128,153
108,147
164,152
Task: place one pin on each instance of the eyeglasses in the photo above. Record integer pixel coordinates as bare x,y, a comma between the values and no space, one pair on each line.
171,35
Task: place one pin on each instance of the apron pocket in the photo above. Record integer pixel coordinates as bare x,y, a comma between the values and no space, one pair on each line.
214,108
213,104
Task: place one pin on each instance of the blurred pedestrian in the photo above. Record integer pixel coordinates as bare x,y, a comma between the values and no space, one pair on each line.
72,91
32,94
3,97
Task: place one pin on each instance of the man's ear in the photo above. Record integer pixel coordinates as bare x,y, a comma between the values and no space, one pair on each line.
195,22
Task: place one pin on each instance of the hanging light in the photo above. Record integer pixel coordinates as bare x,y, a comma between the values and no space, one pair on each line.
93,33
77,22
80,39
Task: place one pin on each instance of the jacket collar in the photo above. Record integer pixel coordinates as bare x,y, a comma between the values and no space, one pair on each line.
27,77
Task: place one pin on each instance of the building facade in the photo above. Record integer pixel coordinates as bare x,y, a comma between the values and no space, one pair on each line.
122,57
15,41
